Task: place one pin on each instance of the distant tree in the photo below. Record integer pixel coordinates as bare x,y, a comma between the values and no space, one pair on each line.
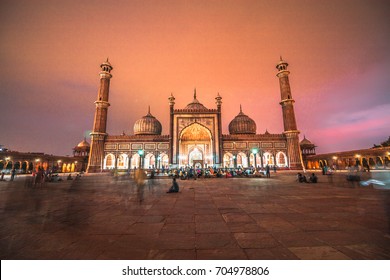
383,144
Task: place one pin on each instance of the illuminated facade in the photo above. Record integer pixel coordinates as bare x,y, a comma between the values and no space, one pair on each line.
195,136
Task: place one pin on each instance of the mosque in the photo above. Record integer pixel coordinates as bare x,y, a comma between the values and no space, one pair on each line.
195,136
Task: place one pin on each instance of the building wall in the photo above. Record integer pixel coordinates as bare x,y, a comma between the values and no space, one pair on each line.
375,158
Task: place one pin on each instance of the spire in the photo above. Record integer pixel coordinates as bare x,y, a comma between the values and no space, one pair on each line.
194,93
171,100
149,114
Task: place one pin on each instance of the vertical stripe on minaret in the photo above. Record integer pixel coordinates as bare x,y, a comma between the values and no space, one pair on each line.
290,126
98,134
218,101
171,116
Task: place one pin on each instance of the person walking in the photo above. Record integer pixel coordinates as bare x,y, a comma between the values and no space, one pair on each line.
13,172
267,172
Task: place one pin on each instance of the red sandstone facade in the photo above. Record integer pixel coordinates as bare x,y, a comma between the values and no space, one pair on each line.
195,136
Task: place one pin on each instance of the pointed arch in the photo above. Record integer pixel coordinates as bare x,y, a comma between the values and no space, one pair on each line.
135,161
109,161
268,158
228,160
122,161
150,161
281,159
242,160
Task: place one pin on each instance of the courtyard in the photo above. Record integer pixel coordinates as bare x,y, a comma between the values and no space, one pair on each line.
108,217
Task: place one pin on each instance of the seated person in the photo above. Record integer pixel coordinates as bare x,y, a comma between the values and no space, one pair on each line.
174,188
301,178
313,178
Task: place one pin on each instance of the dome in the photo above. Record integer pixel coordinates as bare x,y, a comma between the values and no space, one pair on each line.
147,125
83,145
195,104
242,124
306,142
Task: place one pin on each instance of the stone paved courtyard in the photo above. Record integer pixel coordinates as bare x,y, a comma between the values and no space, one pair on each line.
105,217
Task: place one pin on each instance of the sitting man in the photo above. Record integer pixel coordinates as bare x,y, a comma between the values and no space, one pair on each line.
174,188
313,178
301,178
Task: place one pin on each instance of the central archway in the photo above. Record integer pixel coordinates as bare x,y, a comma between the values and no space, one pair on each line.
195,146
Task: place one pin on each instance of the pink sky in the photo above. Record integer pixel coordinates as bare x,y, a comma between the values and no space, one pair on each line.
50,53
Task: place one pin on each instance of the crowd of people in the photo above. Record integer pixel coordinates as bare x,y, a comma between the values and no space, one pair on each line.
188,172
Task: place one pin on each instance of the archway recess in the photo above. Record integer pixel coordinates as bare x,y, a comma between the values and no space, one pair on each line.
195,143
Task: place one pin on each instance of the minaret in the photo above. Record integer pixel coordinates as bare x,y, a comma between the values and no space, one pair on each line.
98,134
290,125
171,115
218,101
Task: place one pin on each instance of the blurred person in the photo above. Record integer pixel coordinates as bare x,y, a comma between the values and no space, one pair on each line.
13,172
39,177
267,172
174,188
140,177
313,178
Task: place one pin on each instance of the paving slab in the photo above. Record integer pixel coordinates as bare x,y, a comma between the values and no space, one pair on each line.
106,217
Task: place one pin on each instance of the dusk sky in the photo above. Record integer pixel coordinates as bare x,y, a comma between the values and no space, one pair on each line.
50,53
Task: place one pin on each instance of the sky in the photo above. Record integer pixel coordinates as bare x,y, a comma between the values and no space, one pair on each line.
51,51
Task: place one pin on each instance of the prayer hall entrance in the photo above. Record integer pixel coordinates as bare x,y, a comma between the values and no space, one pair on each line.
195,146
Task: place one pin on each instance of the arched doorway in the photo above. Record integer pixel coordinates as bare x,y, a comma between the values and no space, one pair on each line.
255,163
195,157
195,144
228,160
24,166
109,162
150,161
268,159
122,162
281,160
242,160
163,160
135,161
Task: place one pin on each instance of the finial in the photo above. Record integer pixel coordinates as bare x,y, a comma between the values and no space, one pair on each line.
107,59
240,109
194,93
281,59
149,110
